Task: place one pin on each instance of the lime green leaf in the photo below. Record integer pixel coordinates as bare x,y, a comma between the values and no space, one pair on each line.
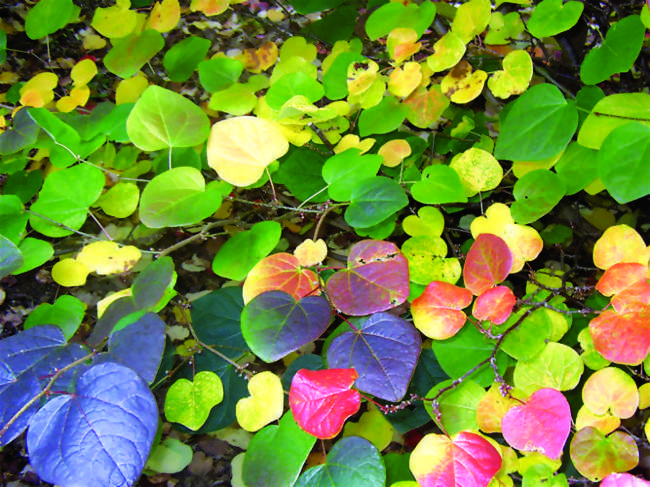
48,16
66,313
373,200
457,406
618,52
448,51
558,367
536,193
121,200
478,170
182,59
189,403
238,99
382,118
551,17
440,184
517,73
539,125
265,403
429,222
577,167
162,118
471,19
293,84
115,21
626,151
35,253
65,198
178,197
504,27
241,252
394,15
3,46
427,262
171,456
131,52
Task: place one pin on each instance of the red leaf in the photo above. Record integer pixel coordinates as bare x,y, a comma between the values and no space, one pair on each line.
542,424
436,313
321,400
467,460
623,338
488,262
637,293
494,305
620,276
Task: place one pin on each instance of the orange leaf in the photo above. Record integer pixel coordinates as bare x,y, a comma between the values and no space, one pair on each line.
436,313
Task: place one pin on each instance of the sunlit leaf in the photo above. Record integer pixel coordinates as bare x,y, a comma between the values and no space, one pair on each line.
401,44
322,400
260,59
551,17
164,16
515,77
38,91
494,305
437,312
471,19
623,338
131,52
240,148
611,390
478,170
69,272
595,455
394,15
605,423
542,424
210,7
310,253
620,243
462,85
493,406
439,184
456,406
121,200
448,51
265,403
620,276
404,79
189,403
373,426
428,222
427,261
107,257
488,263
557,366
465,460
115,21
48,16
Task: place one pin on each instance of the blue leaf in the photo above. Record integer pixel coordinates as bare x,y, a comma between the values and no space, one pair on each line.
139,346
384,352
100,435
14,394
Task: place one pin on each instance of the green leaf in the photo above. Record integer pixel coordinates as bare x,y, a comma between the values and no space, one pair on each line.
121,200
343,172
240,253
536,193
66,142
551,17
353,462
393,15
24,184
35,253
189,403
529,338
48,16
65,198
162,118
612,112
374,200
179,197
457,406
237,99
13,219
440,184
22,133
618,52
132,52
383,118
263,466
335,79
182,59
66,313
301,172
171,456
623,162
471,19
539,125
219,73
577,167
293,84
3,46
10,257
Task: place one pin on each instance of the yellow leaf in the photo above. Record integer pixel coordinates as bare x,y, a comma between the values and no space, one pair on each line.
310,253
240,148
70,272
164,16
351,141
107,257
471,19
38,91
265,404
449,50
394,152
521,168
478,170
261,59
92,41
129,90
401,44
605,423
209,7
620,243
274,14
515,77
644,395
462,85
532,459
83,72
404,79
361,76
373,426
115,21
78,97
102,304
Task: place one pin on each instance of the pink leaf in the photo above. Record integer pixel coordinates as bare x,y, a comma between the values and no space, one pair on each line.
542,424
321,400
623,480
494,305
467,460
488,262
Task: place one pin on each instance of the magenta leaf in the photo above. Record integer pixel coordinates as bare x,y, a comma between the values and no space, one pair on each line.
384,351
542,424
375,280
488,262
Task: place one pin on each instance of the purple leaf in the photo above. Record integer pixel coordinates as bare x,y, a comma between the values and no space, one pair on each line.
274,324
376,279
100,435
384,351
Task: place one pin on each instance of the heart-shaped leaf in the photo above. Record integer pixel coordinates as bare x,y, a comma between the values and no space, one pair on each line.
265,403
478,170
596,455
515,77
611,390
376,279
321,400
542,424
240,148
440,184
189,403
436,313
384,351
99,435
620,243
374,200
352,461
623,337
558,366
551,17
466,460
621,276
488,262
623,480
494,305
274,324
280,272
66,313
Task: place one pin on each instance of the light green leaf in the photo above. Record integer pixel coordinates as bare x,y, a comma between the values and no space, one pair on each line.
170,456
48,16
457,406
189,403
552,17
121,200
536,193
66,313
440,184
557,366
393,15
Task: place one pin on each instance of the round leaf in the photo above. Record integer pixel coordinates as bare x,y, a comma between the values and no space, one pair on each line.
374,200
611,389
595,455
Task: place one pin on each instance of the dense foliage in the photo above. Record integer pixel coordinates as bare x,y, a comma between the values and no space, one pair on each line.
367,243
